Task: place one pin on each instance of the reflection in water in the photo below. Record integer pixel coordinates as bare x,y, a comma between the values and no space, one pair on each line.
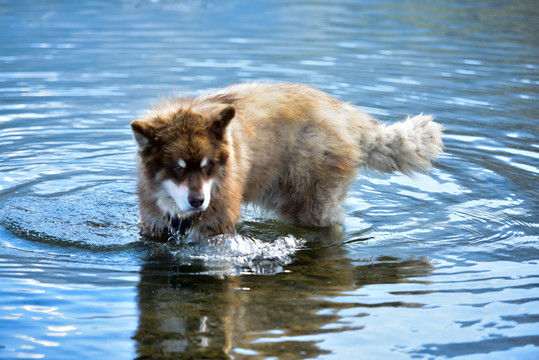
218,316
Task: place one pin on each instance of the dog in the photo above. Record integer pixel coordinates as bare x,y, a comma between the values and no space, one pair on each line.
288,148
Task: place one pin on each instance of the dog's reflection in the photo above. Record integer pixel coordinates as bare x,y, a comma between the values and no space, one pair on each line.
186,314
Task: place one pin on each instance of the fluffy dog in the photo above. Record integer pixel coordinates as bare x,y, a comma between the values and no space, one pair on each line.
289,148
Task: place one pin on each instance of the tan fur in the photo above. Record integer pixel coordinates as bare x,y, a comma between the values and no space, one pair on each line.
289,148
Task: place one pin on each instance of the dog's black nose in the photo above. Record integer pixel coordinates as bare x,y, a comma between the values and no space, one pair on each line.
196,200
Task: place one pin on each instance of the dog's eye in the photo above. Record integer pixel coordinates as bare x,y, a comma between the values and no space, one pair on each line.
178,170
207,167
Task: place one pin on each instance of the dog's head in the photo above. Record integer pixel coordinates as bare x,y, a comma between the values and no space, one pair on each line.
182,154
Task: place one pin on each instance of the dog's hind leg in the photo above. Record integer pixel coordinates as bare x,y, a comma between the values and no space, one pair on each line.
313,199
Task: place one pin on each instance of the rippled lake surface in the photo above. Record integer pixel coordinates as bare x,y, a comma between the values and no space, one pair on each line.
443,265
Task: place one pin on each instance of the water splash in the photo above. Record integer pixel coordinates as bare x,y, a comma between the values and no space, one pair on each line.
233,254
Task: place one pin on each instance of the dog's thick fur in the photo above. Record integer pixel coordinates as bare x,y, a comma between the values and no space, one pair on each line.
286,147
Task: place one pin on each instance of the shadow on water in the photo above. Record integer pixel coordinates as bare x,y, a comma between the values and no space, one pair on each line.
184,311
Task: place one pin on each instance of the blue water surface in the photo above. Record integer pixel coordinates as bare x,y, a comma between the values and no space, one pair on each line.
440,265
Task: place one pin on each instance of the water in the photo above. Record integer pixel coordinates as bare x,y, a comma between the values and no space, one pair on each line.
443,265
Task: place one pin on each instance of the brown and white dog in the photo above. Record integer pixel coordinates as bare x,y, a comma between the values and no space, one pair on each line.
289,148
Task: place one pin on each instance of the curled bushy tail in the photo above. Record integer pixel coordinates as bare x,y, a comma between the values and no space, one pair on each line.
406,146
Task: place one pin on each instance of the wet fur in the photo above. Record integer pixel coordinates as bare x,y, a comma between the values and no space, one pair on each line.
289,148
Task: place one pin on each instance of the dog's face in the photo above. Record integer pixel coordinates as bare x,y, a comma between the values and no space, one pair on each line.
182,154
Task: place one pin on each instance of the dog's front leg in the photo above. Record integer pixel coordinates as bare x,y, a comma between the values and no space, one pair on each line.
207,227
220,218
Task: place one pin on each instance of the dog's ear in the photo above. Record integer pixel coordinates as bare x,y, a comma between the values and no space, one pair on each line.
143,132
221,119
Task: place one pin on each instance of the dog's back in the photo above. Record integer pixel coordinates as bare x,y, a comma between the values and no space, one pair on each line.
298,149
